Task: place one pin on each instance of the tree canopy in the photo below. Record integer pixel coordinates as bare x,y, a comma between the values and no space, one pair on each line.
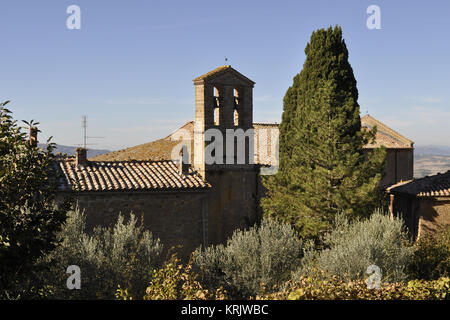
29,218
323,168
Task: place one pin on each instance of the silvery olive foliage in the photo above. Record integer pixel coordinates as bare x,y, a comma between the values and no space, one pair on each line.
252,260
124,256
352,247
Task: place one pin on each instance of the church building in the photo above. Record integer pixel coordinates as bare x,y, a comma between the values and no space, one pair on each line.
183,196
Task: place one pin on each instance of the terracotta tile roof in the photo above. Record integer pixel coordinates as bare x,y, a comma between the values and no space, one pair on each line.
155,150
433,186
128,176
162,149
385,136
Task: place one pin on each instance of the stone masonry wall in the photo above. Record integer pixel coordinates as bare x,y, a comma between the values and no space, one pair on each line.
175,218
233,203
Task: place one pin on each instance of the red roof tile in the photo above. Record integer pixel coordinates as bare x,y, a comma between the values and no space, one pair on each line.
127,176
433,186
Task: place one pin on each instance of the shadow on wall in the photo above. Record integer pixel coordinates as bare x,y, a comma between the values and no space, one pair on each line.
434,215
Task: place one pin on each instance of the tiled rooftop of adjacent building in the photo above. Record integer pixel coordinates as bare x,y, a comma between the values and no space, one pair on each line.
432,186
127,176
161,149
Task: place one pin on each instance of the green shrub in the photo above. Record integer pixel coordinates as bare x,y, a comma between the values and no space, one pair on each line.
177,282
125,256
258,258
29,219
352,247
335,288
431,259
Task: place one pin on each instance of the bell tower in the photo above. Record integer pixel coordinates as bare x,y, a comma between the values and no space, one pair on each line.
223,126
223,150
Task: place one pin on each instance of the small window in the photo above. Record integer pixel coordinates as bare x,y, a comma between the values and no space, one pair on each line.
236,117
236,97
216,111
216,98
216,116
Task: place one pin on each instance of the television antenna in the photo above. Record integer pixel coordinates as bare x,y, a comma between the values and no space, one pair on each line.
84,125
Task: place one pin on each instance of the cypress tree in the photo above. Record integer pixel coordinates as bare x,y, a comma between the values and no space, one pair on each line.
323,169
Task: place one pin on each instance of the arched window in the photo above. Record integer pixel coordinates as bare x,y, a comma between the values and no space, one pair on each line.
236,107
216,106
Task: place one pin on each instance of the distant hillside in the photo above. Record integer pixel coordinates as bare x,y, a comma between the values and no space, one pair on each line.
427,165
431,159
432,150
71,150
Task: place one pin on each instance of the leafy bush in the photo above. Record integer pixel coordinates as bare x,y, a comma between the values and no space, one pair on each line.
175,282
252,260
125,256
335,288
28,218
431,259
352,248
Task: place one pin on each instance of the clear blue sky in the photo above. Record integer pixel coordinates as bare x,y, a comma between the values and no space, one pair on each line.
130,67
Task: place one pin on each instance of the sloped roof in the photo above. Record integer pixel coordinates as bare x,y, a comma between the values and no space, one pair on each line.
212,72
128,176
432,186
155,150
227,68
385,136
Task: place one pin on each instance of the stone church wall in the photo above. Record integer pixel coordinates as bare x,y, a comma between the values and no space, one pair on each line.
233,203
173,217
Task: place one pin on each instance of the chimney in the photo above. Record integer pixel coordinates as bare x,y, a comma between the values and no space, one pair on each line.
81,157
184,161
33,136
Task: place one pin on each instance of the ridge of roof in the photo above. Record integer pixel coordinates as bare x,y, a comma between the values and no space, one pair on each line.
267,124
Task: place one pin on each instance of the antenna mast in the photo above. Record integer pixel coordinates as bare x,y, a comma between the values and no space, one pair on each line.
85,137
84,125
